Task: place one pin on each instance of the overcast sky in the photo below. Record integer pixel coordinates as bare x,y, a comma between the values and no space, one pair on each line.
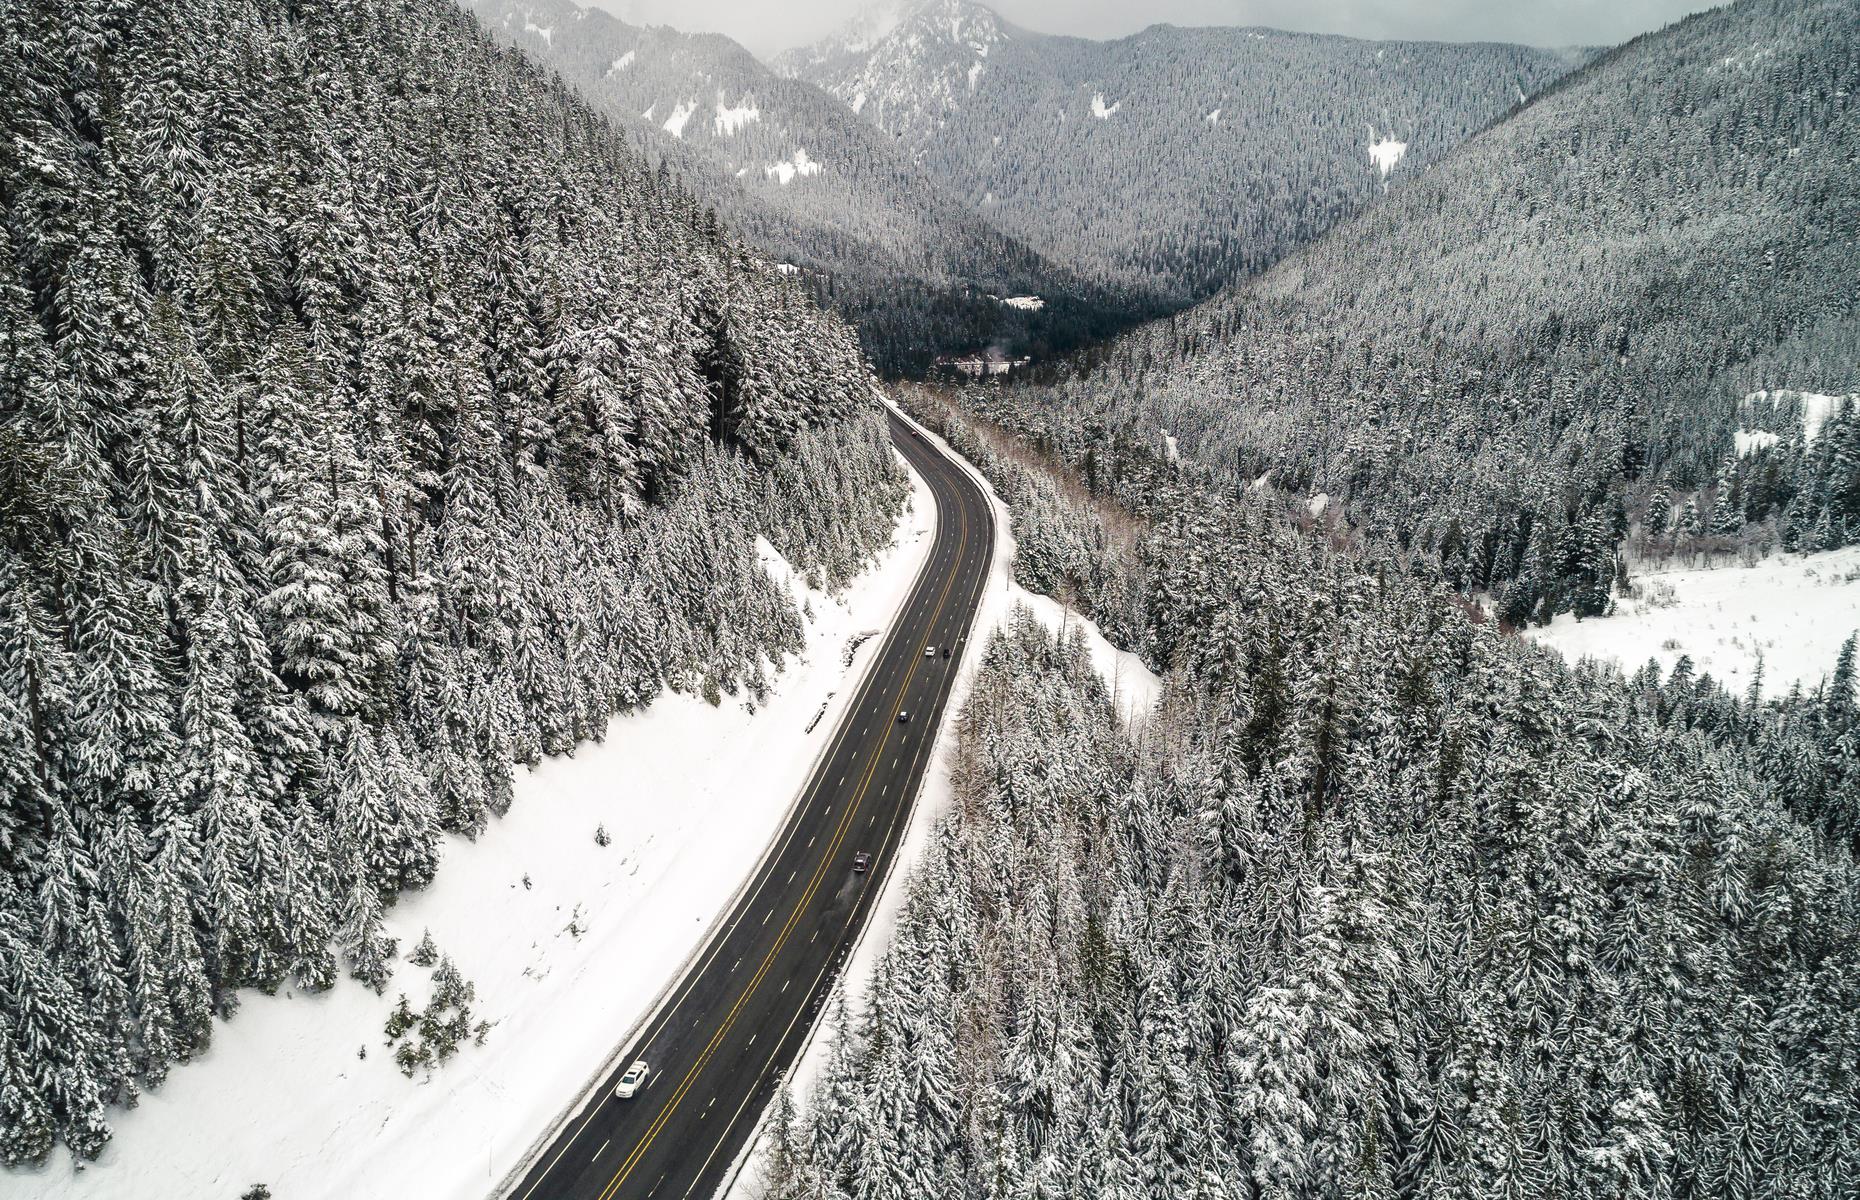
766,26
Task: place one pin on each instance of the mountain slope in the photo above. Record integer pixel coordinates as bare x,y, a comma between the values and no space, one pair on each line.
1174,160
1545,342
373,422
1380,903
790,169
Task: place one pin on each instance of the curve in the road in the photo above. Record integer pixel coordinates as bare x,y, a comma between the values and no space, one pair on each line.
723,1042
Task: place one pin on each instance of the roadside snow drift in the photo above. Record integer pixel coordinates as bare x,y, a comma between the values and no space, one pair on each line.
567,942
1134,689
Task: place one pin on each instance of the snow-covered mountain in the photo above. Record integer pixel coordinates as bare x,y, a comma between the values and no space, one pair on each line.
1171,161
373,421
1582,328
791,169
907,66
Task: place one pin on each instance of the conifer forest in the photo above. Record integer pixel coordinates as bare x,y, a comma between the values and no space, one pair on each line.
1126,518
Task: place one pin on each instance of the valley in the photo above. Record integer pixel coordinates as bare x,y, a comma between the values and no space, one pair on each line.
945,609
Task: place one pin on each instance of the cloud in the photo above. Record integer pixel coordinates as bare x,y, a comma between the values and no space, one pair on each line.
768,26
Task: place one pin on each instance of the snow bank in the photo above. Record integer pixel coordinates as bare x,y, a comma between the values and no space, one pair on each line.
1134,689
733,118
1795,610
785,172
691,796
681,113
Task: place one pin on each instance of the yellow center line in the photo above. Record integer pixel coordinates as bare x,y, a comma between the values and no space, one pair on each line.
665,1115
842,735
845,928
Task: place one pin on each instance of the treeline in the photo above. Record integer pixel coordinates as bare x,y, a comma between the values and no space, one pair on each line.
1378,903
371,422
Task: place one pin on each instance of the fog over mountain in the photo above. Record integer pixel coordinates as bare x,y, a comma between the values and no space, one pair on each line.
768,29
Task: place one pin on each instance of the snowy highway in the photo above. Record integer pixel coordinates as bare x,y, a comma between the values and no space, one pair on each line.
723,1041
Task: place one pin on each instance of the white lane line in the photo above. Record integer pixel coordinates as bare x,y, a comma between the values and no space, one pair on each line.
761,1077
693,977
597,1153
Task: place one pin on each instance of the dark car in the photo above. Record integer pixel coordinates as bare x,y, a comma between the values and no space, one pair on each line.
904,715
862,862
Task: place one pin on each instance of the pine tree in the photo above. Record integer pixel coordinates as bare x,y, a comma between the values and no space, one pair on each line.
1727,515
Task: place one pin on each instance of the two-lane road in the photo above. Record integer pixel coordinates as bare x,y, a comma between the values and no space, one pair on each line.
725,1038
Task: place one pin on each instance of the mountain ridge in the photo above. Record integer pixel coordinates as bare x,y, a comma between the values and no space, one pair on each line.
1539,350
1173,160
793,171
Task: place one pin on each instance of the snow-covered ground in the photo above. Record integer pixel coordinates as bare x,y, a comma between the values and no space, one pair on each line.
1795,610
1815,407
732,118
1134,688
681,113
568,943
786,171
1386,152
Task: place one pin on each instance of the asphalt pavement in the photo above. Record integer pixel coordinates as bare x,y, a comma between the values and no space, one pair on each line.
722,1043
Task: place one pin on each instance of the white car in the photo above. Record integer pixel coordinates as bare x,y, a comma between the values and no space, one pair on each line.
632,1081
929,651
